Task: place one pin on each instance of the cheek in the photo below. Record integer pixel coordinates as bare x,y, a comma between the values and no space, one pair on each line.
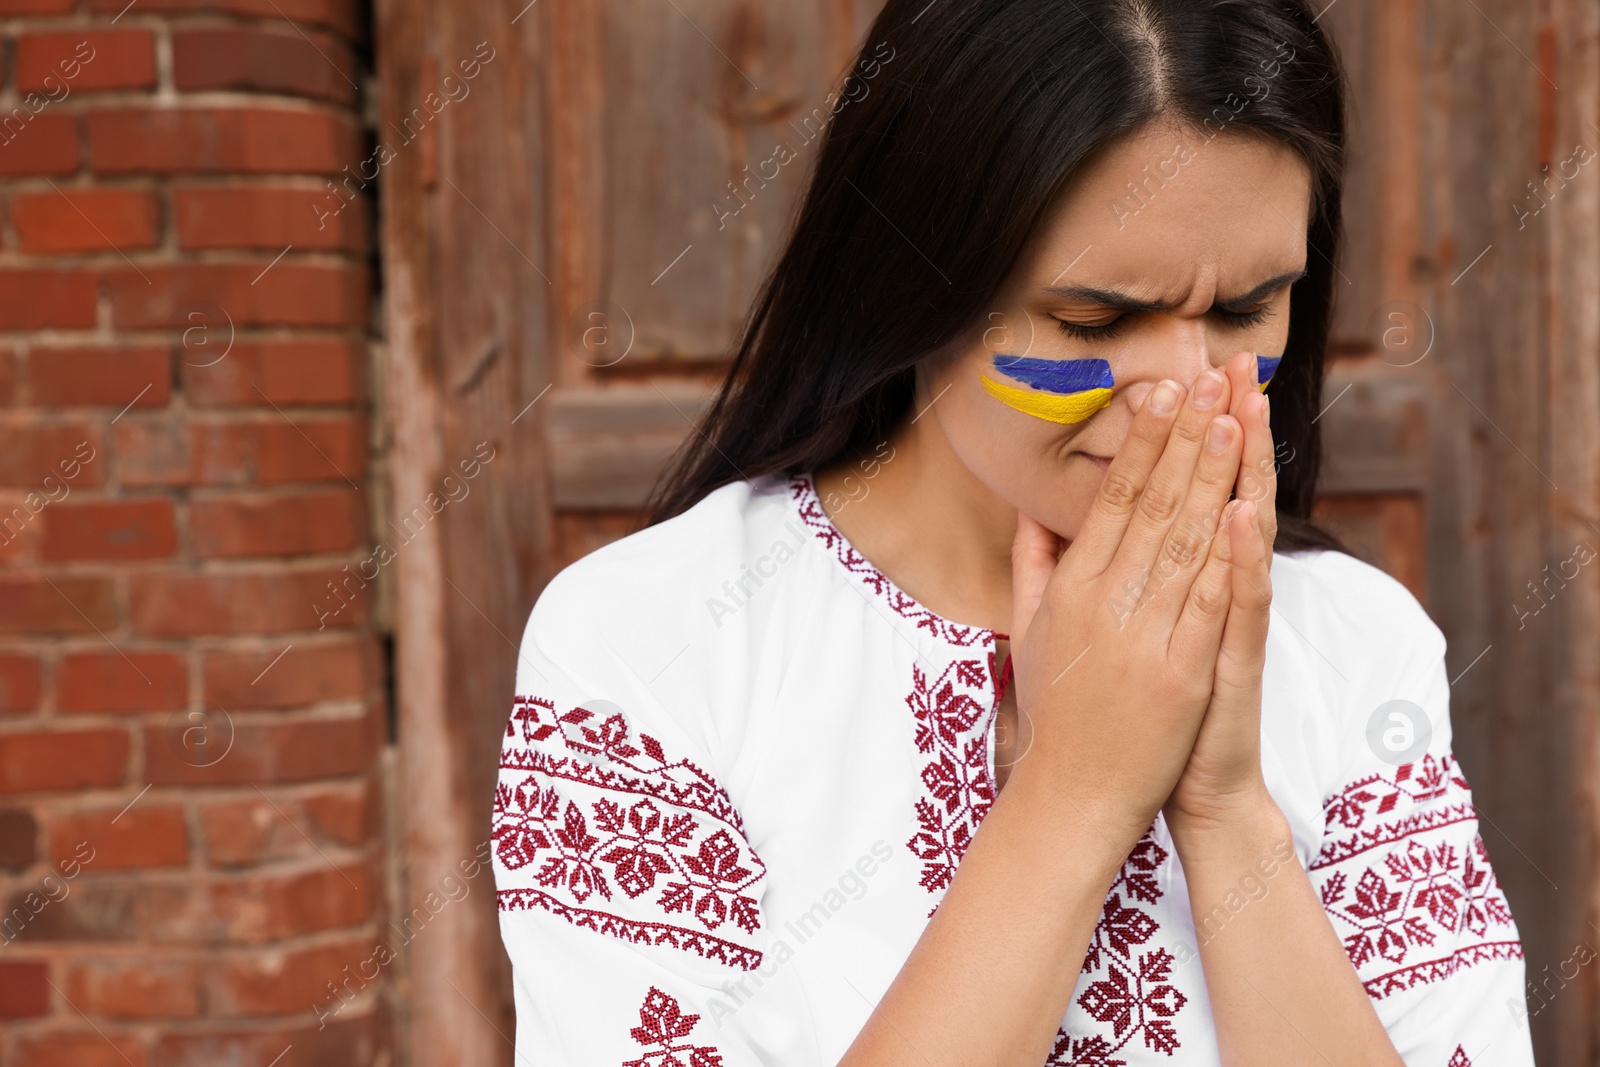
1024,460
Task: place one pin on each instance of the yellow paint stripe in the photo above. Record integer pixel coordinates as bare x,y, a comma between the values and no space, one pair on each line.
1053,407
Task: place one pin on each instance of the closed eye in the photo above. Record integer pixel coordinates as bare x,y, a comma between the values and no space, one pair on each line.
1105,331
1242,319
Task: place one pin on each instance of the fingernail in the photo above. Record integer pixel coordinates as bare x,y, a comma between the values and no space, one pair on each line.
1255,368
1207,390
1266,410
1165,397
1220,437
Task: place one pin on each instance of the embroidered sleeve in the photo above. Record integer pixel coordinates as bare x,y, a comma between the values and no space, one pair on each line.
1405,878
627,891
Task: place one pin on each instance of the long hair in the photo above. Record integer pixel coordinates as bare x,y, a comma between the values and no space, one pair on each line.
929,183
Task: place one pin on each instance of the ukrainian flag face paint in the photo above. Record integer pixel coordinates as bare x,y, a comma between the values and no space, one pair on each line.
1070,390
1059,390
1266,367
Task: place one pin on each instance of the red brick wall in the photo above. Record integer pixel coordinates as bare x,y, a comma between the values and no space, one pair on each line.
190,831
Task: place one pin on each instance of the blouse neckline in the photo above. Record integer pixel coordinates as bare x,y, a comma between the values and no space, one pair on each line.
804,500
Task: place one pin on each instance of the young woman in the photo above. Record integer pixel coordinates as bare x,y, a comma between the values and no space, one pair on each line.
981,693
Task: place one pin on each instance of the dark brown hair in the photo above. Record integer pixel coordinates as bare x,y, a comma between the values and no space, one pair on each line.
929,183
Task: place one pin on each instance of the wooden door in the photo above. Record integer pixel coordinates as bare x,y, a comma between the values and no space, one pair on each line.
569,250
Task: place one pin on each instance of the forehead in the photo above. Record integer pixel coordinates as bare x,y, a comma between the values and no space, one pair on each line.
1165,214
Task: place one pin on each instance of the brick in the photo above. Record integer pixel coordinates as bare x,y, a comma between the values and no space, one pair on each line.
267,217
305,674
100,376
121,682
8,377
258,293
90,910
251,830
69,453
347,814
39,299
250,59
221,140
341,15
24,989
277,524
85,1048
288,981
135,988
62,759
37,606
260,373
272,752
77,219
19,682
258,451
356,1035
37,7
144,835
84,61
184,604
247,831
37,141
19,837
110,530
249,910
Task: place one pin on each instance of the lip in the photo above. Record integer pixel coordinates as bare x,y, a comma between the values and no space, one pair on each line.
1103,462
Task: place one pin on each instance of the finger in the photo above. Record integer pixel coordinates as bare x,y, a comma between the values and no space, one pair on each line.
1107,521
1197,635
1243,652
1034,552
1258,470
1244,376
1170,482
1197,526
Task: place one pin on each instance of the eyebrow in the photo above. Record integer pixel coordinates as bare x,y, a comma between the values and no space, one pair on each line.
1132,305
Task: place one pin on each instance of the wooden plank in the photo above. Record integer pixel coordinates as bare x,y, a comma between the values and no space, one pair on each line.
464,303
1374,429
1497,473
1570,399
607,447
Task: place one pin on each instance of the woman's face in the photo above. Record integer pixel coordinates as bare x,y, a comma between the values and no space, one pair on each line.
1208,237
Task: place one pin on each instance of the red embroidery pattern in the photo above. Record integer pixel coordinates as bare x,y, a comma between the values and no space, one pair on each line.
953,716
1415,900
809,505
661,1023
1133,992
1459,1059
1130,992
643,831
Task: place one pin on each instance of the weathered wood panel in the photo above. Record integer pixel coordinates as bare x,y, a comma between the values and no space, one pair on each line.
577,206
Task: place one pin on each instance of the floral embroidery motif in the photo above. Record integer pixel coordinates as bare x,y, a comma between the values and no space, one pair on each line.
813,515
1413,903
953,716
1133,992
652,826
1130,992
662,1022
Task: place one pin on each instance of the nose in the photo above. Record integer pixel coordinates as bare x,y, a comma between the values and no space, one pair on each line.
1179,349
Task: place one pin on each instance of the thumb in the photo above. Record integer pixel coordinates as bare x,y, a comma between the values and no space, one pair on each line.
1034,553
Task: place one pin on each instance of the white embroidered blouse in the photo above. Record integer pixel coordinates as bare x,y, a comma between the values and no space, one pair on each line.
742,766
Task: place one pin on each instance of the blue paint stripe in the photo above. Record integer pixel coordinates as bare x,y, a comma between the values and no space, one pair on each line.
1061,376
1266,367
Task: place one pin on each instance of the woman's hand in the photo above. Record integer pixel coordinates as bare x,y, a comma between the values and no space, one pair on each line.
1116,640
1222,783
